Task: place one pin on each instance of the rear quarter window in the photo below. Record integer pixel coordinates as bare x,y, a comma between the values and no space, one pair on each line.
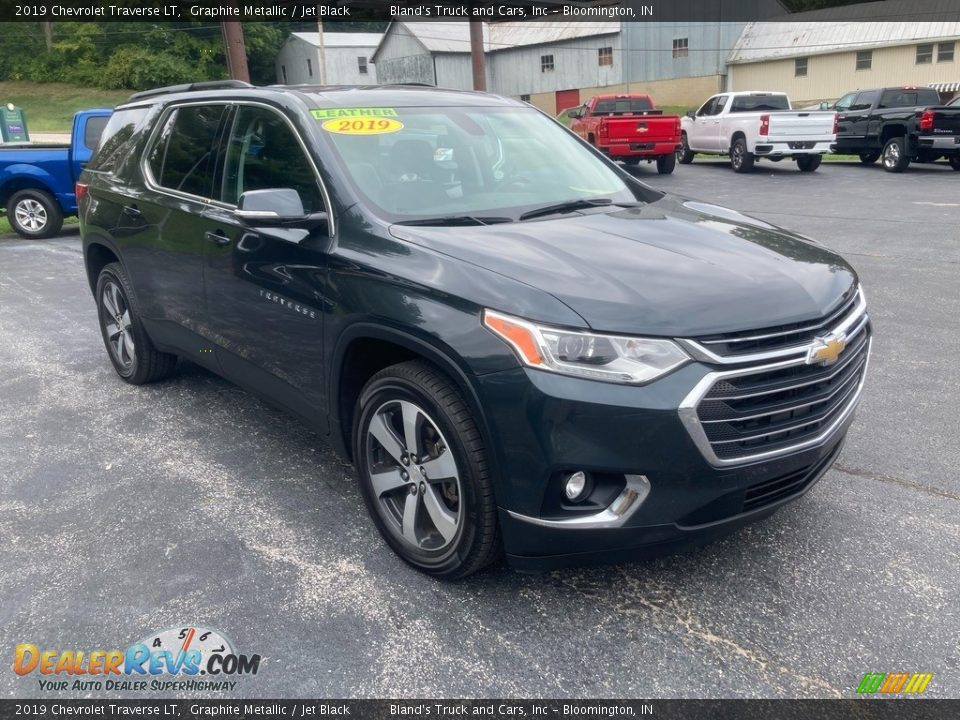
115,140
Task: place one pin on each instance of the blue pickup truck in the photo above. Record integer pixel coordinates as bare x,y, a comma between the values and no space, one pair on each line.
37,180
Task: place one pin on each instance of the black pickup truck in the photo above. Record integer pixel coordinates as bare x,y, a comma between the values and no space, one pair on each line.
899,124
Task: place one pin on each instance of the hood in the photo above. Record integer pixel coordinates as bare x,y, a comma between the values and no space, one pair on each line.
674,268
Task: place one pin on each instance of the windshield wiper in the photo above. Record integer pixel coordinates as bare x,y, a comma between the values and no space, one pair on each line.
452,220
572,205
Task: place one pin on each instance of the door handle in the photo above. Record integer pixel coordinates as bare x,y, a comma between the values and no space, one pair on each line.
132,211
217,238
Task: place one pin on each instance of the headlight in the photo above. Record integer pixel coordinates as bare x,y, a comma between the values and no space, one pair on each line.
598,357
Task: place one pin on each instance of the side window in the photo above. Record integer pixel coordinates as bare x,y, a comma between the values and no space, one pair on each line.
115,139
864,100
182,157
845,102
720,104
707,107
263,153
93,130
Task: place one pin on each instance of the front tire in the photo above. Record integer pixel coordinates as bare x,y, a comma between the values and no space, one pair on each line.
132,353
424,473
666,164
895,158
808,163
740,160
34,214
684,153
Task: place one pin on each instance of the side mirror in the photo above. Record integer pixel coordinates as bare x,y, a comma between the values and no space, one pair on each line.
276,207
575,114
691,114
824,105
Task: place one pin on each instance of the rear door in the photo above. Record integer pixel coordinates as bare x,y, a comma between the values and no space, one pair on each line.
165,225
265,287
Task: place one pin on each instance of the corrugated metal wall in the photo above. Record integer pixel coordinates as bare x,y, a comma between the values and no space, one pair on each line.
342,66
830,76
649,49
576,64
402,59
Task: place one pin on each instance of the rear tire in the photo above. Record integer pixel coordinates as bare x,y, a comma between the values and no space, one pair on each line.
869,158
808,163
34,214
131,352
954,161
684,154
666,164
740,160
895,158
442,521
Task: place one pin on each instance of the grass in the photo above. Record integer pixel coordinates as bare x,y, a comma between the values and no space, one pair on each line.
49,107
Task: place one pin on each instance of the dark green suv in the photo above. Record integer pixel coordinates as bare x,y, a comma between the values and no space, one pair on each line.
518,345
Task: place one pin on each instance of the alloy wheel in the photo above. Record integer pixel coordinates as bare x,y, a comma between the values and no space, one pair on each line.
891,155
737,155
117,325
30,215
414,476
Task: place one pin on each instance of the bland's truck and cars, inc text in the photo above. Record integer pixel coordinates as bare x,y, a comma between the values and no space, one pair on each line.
520,347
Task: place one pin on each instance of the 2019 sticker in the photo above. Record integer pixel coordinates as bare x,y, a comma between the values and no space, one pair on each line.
358,125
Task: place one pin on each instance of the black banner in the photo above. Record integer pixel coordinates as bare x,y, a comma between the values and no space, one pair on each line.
858,709
453,10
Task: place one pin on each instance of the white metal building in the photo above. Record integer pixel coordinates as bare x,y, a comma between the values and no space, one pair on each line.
823,54
346,59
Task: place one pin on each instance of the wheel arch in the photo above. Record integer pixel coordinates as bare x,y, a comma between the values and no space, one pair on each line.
365,348
97,253
892,131
25,182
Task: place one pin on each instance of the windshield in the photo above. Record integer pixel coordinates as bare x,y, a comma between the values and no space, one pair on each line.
481,161
757,103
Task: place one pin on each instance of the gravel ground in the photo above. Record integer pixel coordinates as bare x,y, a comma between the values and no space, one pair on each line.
128,510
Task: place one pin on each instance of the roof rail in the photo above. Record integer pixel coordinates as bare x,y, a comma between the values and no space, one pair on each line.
187,87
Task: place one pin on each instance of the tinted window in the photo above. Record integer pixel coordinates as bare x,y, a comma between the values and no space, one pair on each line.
93,131
263,153
181,159
622,106
115,139
721,103
909,98
707,107
865,100
755,103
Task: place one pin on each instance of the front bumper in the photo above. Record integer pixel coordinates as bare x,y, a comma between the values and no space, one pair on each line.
544,425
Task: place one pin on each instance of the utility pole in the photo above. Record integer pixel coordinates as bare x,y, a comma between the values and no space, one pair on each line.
236,51
321,53
477,56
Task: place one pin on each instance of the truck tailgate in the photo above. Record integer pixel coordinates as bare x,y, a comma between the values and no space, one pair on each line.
946,121
641,129
800,124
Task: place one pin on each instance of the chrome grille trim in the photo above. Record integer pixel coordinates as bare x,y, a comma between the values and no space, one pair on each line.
690,418
698,350
845,308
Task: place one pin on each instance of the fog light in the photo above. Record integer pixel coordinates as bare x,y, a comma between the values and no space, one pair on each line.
575,485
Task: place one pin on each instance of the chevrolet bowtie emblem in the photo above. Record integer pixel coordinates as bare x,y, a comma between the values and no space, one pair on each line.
826,350
641,127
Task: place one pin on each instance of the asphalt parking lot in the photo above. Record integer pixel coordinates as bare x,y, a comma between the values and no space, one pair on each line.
128,510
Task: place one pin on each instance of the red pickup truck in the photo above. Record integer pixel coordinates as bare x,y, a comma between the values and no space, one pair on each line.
628,128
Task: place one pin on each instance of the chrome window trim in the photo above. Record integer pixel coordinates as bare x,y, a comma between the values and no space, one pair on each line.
688,412
699,352
152,183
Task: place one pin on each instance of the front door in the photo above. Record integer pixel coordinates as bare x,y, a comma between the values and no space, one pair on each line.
265,286
703,132
567,99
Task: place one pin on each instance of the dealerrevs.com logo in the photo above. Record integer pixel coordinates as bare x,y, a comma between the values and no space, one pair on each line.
185,654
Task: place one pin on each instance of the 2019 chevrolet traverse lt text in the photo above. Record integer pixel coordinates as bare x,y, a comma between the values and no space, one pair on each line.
520,347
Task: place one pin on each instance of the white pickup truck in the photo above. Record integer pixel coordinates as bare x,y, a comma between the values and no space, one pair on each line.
748,126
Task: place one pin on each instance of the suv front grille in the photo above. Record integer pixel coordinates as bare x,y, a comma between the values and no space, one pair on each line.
757,412
781,336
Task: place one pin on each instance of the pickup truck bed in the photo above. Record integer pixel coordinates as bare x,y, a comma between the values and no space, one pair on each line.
37,180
